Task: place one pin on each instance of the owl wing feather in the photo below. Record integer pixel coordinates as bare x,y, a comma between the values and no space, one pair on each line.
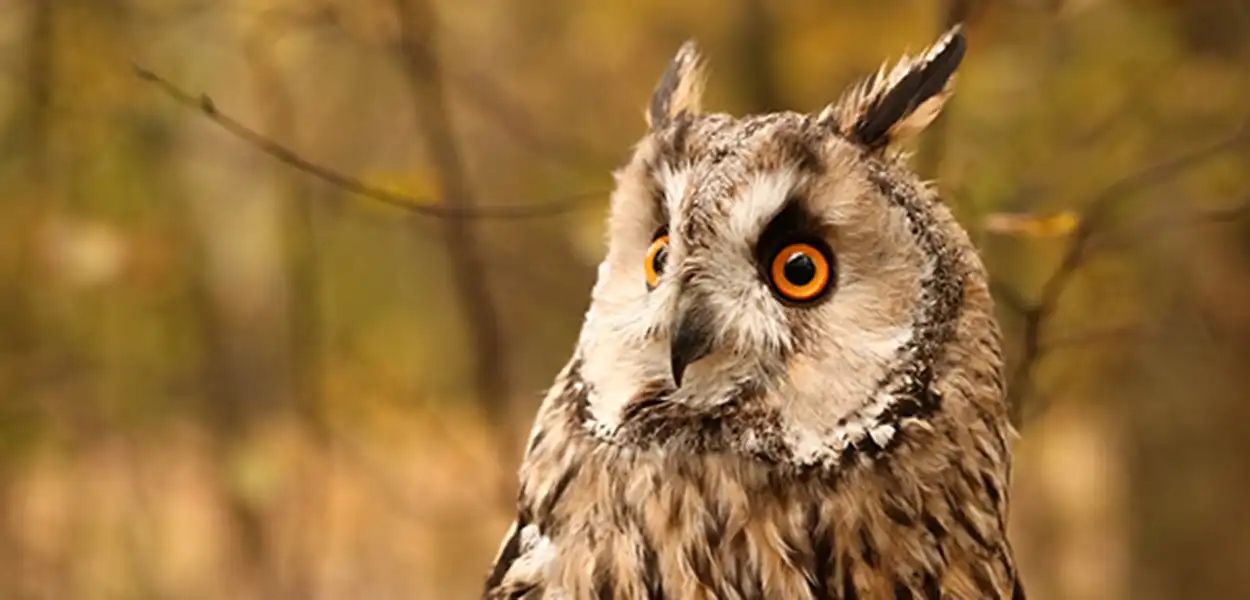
504,559
518,569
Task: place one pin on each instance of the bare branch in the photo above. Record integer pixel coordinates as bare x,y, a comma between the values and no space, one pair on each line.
1080,248
1008,297
1097,207
1160,224
204,105
1093,336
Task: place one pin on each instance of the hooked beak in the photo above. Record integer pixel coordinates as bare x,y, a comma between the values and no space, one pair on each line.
692,340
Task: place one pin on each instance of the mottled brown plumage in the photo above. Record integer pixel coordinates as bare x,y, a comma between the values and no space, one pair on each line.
714,437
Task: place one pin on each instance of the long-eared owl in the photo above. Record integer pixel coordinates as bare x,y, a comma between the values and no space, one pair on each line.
789,382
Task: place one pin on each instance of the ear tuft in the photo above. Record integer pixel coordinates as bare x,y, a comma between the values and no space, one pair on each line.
680,88
886,108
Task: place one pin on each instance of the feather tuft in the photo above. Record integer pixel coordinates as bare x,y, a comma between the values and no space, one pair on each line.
893,105
680,88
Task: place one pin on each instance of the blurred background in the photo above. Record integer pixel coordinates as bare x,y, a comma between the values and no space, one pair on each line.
223,374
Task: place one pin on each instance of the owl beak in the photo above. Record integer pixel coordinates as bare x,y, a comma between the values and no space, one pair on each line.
692,340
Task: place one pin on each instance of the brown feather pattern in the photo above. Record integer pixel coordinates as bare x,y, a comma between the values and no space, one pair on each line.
706,497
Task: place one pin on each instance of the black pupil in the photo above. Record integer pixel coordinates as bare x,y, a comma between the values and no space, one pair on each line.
657,263
800,269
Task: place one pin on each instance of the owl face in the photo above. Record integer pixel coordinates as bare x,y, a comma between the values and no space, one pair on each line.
785,257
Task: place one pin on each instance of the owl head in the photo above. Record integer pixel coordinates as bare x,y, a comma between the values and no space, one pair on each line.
787,266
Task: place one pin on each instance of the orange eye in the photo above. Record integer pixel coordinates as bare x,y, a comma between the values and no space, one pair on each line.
657,255
800,272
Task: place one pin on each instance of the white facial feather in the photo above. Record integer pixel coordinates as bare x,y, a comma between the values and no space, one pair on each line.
826,391
764,197
673,181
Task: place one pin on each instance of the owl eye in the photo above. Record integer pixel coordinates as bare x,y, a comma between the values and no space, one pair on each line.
801,272
657,255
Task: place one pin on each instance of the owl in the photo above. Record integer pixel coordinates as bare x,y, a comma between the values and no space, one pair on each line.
789,382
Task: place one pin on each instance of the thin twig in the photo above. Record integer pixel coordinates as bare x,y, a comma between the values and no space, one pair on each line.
204,105
1166,223
1144,178
487,96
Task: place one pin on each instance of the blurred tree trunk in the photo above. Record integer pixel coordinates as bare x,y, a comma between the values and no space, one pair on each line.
230,413
417,52
238,300
757,57
1189,449
39,86
303,316
302,273
20,347
1207,26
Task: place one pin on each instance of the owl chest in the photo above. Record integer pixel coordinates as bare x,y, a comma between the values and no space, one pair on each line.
663,527
657,529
